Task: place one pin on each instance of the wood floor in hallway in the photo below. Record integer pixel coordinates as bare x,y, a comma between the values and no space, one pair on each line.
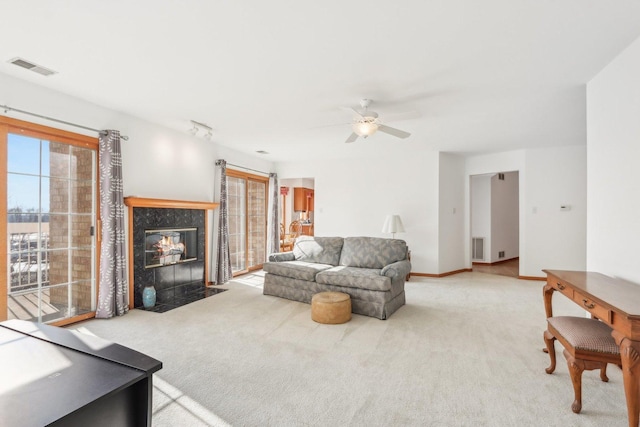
509,268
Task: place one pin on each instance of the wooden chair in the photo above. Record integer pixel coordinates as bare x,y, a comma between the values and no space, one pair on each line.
588,345
286,242
295,228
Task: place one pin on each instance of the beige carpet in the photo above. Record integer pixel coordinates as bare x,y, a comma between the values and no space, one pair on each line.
466,350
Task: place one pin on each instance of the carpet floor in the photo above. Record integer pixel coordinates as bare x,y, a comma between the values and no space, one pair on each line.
466,350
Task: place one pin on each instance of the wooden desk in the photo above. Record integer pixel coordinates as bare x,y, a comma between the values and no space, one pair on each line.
615,302
51,376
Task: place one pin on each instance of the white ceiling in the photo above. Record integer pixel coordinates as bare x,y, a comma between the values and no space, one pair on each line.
462,76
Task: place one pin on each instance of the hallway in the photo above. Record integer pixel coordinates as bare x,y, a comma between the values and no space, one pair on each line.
509,268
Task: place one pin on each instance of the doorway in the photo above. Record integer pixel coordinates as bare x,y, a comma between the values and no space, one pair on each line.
247,212
297,207
50,215
495,223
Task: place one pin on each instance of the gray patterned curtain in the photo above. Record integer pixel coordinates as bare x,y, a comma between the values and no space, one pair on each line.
223,264
113,297
273,225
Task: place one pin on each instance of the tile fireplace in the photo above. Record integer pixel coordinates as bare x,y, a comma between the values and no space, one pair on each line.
168,249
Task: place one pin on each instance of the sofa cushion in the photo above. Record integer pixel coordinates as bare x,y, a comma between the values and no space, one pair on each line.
372,252
351,277
295,269
324,250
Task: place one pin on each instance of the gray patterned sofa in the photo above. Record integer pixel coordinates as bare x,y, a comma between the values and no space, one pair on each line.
371,270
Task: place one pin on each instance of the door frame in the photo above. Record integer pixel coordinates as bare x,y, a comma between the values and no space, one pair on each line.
10,125
251,177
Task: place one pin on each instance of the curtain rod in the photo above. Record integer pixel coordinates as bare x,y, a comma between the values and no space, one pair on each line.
6,108
249,169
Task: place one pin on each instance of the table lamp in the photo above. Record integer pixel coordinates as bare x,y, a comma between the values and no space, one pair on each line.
393,225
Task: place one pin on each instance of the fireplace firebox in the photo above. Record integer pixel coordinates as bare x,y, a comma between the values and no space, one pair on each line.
170,246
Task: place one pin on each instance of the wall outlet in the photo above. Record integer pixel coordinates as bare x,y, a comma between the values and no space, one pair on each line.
501,254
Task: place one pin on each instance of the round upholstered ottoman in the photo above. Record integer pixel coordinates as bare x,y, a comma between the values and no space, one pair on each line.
331,308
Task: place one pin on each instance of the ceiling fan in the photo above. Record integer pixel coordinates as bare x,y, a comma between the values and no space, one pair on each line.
366,123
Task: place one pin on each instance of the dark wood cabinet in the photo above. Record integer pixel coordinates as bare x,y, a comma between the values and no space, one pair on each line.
303,199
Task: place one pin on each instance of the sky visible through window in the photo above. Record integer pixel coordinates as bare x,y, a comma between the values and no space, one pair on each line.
28,160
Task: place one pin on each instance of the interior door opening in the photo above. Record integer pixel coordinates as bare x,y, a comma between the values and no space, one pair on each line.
495,223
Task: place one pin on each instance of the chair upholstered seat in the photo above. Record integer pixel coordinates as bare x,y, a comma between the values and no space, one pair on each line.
585,334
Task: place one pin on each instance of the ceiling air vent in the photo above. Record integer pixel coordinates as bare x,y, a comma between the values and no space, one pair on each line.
32,67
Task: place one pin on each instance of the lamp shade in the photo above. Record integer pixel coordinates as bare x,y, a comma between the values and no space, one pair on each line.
393,224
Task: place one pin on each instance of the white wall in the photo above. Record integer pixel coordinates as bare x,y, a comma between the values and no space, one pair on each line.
548,178
353,197
505,217
157,162
481,211
613,156
451,213
556,239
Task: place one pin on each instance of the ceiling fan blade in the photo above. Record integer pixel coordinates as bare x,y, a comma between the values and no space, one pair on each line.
352,137
352,110
393,131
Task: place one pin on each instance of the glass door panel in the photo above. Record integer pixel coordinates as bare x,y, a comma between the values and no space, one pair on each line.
51,218
247,210
236,189
257,235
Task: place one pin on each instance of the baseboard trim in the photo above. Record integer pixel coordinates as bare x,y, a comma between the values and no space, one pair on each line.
465,270
541,279
449,273
494,263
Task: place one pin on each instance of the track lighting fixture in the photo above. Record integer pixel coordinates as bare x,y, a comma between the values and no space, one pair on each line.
207,131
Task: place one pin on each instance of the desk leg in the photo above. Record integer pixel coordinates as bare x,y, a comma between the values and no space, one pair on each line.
630,355
547,293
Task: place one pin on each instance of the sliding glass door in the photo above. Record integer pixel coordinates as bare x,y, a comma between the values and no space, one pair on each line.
247,201
49,213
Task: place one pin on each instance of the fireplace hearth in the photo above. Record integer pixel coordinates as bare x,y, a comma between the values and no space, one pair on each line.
183,294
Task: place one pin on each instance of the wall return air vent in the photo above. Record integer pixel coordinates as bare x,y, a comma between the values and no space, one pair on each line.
20,62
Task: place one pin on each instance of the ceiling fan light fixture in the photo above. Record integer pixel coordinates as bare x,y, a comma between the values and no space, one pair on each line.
365,128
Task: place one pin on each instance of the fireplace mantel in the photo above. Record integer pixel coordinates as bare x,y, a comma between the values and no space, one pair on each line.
141,202
146,203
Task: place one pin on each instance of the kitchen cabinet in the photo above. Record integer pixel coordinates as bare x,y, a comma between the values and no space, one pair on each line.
307,229
303,199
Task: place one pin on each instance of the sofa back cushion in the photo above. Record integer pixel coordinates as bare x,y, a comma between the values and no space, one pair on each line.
323,250
372,252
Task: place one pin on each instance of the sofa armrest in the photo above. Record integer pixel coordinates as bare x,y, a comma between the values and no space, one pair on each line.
397,269
282,256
